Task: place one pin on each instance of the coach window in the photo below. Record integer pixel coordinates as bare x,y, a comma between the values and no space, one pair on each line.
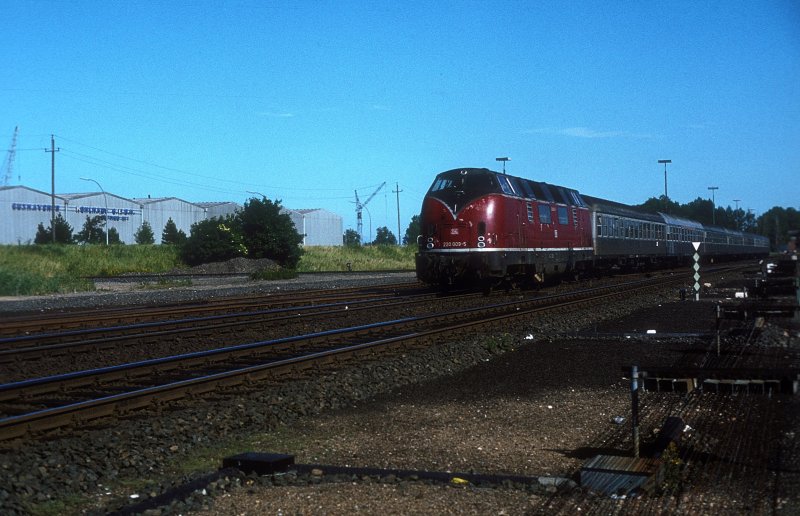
563,217
544,214
599,225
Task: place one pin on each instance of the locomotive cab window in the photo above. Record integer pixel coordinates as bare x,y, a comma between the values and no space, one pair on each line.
441,184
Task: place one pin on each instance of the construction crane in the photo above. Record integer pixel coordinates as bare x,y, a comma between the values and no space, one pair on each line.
8,164
360,205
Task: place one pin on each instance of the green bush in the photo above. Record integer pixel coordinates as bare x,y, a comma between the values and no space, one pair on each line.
213,240
268,233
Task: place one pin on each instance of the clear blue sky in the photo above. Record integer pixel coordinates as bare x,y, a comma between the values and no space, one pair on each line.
308,101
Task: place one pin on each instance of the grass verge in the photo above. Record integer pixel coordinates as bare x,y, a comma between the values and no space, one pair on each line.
59,269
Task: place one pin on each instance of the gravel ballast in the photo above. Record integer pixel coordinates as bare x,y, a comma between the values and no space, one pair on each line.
511,401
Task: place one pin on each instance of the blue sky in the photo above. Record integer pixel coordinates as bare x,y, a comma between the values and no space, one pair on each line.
308,101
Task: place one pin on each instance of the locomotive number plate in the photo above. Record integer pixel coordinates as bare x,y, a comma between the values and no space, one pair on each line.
454,244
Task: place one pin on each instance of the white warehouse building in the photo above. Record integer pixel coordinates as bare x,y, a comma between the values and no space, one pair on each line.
158,211
124,215
22,209
317,226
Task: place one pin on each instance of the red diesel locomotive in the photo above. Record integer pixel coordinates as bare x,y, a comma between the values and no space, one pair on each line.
486,228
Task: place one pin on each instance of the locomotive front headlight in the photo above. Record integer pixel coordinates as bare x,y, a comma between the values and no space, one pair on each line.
429,245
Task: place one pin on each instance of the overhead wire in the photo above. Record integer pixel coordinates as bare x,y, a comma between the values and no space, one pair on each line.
115,166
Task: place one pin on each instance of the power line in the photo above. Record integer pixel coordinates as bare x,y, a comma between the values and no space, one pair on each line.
192,174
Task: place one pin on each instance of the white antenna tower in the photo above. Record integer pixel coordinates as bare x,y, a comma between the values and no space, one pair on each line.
8,164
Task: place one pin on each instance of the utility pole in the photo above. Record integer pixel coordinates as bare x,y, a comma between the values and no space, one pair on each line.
397,191
52,150
666,197
713,205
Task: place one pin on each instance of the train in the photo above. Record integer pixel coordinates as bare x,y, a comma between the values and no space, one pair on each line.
487,228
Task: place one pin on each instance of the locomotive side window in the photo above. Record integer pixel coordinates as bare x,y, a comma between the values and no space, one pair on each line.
530,211
563,217
544,214
481,228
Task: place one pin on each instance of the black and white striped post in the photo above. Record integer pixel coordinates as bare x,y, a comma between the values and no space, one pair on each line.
696,267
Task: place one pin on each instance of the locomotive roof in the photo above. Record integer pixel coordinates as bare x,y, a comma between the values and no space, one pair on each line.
679,221
527,188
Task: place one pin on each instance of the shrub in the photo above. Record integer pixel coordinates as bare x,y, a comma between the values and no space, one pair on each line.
171,235
63,232
144,235
268,233
213,240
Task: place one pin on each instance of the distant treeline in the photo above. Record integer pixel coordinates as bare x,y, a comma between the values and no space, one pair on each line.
774,224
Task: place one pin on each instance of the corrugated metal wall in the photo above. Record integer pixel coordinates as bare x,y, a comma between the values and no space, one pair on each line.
22,209
158,211
319,227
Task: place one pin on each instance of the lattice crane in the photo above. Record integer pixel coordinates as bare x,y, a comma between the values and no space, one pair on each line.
8,164
360,205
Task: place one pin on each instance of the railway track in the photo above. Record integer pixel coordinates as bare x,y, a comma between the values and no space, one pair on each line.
35,346
42,404
38,323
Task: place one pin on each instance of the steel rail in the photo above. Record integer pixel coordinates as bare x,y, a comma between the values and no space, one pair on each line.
140,368
38,323
11,348
42,420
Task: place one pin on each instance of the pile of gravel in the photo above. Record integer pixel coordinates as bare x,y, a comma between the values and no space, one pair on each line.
238,265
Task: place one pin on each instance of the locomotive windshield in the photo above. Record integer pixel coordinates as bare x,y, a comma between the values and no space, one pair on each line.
457,187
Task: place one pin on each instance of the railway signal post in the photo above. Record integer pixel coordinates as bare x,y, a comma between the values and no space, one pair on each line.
696,268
